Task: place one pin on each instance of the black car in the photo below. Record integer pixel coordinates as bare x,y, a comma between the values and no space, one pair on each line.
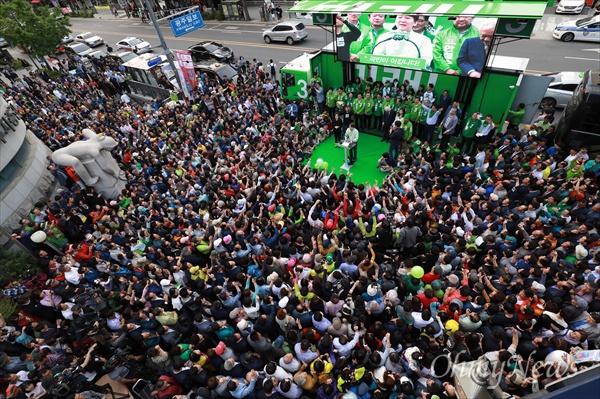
210,50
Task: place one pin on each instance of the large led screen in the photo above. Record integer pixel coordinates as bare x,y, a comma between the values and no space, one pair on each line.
449,45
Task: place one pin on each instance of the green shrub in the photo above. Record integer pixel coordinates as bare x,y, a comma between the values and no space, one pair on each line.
219,16
8,308
208,14
52,72
17,64
13,263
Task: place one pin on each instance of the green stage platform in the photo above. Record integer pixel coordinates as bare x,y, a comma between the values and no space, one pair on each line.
365,168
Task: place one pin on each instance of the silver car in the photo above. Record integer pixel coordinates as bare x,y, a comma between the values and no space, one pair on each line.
90,39
288,31
79,49
561,88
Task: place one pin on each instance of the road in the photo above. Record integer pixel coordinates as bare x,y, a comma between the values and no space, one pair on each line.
545,53
245,39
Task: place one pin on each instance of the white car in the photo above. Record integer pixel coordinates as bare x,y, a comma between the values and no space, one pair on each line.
67,39
288,31
586,29
561,88
134,45
90,39
570,7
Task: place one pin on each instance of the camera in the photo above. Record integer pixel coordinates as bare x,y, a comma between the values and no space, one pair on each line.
119,358
67,382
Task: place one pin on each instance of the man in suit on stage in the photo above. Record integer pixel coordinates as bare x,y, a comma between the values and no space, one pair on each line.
389,116
471,58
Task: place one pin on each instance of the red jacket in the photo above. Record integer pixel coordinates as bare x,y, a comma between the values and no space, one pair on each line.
171,390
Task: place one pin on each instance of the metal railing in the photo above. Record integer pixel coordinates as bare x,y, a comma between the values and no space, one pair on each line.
147,91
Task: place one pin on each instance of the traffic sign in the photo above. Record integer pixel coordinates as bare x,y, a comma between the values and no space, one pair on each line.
322,19
514,27
186,23
154,61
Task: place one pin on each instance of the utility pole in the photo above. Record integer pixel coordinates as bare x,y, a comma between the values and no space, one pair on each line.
245,11
166,50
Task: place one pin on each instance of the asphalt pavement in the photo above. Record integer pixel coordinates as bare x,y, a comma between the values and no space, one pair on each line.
244,38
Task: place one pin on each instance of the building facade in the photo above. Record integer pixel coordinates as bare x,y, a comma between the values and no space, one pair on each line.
24,178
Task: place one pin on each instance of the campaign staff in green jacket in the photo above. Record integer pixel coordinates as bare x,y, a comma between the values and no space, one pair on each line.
447,44
469,130
516,116
362,41
373,34
358,106
369,105
377,111
330,101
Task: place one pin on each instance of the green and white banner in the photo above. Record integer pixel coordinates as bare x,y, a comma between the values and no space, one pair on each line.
476,8
398,62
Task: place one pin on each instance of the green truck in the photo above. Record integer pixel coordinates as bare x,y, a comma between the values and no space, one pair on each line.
502,82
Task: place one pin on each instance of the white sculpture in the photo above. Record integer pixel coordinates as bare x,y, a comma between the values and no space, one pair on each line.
94,163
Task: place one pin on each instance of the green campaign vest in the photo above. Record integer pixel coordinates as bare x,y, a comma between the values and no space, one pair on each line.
330,99
369,104
378,107
358,106
471,127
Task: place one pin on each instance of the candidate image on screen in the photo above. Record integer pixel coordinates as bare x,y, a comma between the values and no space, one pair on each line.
473,52
347,35
402,41
447,44
416,41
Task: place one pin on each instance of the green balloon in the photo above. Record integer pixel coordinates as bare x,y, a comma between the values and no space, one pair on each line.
324,165
417,272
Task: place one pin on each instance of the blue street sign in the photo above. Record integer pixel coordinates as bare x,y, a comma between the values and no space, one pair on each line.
154,61
186,23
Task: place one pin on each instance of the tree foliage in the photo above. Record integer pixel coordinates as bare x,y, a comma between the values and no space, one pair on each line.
14,263
38,30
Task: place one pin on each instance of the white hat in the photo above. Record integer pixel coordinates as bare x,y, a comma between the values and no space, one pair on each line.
372,290
392,295
217,242
540,288
242,325
165,282
581,252
283,302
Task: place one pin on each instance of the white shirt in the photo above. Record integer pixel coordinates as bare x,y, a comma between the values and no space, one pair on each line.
68,313
125,98
419,322
280,374
352,135
72,276
114,323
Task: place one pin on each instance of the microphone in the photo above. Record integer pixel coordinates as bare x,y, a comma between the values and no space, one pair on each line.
400,36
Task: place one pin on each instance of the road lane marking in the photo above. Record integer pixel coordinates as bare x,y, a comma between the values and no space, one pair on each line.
580,58
263,45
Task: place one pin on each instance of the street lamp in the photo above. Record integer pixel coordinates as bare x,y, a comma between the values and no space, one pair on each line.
166,50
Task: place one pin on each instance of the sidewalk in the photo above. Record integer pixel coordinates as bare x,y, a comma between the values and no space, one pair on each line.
254,12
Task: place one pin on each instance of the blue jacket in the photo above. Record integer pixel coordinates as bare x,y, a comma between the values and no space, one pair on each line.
471,56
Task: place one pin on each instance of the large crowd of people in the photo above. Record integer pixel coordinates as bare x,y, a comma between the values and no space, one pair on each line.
231,268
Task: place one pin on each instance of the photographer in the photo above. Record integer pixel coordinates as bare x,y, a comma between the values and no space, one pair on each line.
319,94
